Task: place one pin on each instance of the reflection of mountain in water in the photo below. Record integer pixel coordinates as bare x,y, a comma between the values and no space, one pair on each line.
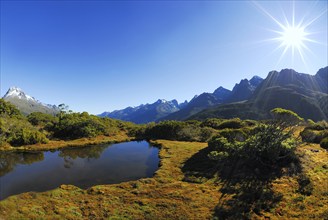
8,161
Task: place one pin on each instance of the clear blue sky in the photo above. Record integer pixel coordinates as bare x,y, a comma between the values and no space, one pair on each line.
100,56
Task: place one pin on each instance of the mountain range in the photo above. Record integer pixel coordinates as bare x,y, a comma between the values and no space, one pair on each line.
240,92
305,94
146,113
172,110
28,104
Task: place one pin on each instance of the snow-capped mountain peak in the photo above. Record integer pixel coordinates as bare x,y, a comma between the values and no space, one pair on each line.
18,93
26,103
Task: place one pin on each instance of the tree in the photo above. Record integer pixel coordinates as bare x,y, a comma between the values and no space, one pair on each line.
63,109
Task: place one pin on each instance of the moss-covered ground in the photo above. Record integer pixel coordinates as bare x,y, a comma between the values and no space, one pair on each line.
168,195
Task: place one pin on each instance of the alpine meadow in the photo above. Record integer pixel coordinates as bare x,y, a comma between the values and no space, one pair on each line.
164,110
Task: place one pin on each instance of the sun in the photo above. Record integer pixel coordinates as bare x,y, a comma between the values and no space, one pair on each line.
293,36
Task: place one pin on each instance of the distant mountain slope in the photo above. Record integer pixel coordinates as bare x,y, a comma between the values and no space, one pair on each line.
302,93
241,91
195,105
146,113
27,104
244,90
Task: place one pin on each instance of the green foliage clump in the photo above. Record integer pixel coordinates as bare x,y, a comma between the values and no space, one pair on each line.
324,143
27,136
286,117
223,147
212,123
315,133
8,109
234,134
42,119
267,147
319,126
79,125
19,132
176,130
234,123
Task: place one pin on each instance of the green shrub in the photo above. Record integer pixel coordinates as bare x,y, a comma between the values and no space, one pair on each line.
231,123
175,130
206,134
212,123
233,134
223,147
26,137
19,132
286,117
319,126
8,109
324,143
269,146
313,136
80,125
42,119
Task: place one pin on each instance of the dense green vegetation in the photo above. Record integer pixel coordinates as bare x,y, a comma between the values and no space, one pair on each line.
315,132
193,130
17,129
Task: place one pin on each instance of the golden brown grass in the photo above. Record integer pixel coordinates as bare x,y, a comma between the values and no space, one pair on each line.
167,196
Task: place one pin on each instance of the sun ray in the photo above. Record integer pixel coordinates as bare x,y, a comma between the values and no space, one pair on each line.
316,18
293,34
268,14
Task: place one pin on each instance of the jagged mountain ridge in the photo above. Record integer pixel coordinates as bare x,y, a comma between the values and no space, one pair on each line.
241,91
26,103
146,113
172,110
302,93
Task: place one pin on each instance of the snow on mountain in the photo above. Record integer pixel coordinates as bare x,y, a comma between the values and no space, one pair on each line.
26,103
18,93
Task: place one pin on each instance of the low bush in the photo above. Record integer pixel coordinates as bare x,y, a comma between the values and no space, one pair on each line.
8,109
19,132
324,143
313,136
42,119
268,147
231,123
79,125
176,130
319,126
26,137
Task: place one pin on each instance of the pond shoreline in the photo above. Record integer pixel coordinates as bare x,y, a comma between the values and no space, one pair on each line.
59,144
82,167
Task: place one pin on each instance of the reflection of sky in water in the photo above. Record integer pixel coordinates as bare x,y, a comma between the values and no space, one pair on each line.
83,167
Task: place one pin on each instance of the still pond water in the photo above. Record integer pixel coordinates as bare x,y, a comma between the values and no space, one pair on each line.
82,167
